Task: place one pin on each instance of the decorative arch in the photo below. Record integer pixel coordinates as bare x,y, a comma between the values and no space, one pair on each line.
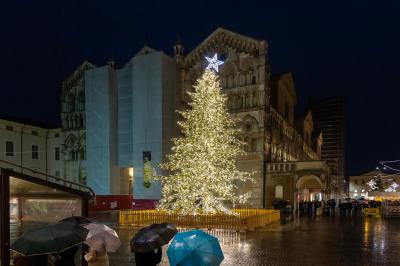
309,182
71,141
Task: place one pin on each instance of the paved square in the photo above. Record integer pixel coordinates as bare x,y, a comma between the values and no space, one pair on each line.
307,241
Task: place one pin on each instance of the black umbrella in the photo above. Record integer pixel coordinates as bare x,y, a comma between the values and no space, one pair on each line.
152,237
80,220
50,239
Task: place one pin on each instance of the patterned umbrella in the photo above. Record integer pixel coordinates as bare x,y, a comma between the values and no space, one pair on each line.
195,248
49,239
152,237
100,234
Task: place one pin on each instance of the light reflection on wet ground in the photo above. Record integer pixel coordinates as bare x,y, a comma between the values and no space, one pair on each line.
307,241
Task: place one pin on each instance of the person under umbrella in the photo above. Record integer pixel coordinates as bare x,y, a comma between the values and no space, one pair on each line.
101,235
195,248
67,257
49,239
148,241
151,258
97,257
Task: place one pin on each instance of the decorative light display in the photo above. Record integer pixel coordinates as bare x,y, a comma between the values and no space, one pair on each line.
392,187
213,62
388,172
372,184
202,164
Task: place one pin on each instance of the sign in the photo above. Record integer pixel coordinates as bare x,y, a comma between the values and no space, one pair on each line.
147,169
373,212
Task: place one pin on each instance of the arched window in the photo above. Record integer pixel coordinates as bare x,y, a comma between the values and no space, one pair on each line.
248,99
279,192
81,121
239,102
81,101
82,154
254,144
70,102
254,98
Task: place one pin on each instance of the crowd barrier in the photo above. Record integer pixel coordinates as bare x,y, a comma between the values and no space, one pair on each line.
245,219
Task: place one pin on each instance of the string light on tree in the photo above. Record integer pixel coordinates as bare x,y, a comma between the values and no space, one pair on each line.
202,164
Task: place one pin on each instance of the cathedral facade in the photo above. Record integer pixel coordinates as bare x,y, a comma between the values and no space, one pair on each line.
73,127
283,151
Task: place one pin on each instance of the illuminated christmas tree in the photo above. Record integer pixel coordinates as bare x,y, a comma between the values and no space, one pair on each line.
202,164
379,183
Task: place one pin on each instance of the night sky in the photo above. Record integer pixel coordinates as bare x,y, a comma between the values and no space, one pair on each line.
349,48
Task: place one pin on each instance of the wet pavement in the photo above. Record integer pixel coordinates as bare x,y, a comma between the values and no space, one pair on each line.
304,241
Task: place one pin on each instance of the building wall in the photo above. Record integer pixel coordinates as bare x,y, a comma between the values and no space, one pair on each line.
24,136
129,111
329,117
99,129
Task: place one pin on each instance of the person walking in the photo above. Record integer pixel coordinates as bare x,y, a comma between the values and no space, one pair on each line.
67,257
20,260
151,258
97,257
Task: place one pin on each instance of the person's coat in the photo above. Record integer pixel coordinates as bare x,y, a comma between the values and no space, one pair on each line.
20,260
151,258
67,257
97,258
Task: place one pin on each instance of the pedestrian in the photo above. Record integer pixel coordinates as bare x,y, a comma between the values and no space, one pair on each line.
97,257
52,258
20,260
151,258
67,257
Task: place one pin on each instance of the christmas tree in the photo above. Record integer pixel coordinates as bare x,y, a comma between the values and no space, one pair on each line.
379,183
202,164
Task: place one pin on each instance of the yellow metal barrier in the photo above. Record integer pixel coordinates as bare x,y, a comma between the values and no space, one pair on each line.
246,219
372,212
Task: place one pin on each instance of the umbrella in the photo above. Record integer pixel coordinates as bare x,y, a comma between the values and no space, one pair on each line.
102,234
194,248
79,220
49,239
152,237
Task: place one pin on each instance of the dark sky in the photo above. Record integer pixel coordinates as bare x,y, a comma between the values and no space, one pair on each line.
348,48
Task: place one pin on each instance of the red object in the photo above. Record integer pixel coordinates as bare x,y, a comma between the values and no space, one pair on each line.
120,202
144,204
111,203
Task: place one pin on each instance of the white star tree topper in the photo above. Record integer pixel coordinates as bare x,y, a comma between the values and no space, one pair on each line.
213,62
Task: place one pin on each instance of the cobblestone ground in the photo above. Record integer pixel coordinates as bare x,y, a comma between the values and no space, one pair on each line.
304,241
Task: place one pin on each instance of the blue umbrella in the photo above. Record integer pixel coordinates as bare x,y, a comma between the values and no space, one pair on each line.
195,248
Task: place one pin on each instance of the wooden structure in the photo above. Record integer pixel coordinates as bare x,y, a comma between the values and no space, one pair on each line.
37,185
245,219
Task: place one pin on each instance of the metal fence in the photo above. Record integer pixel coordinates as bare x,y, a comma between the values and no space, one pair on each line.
245,219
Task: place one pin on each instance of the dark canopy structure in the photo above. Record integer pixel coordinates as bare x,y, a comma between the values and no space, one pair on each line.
37,197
